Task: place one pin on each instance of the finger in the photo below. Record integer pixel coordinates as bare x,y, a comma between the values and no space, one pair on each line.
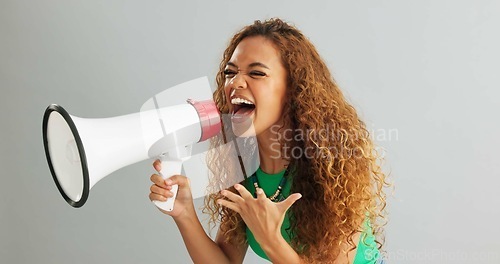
160,191
232,196
157,165
229,205
284,205
158,180
261,196
243,191
157,197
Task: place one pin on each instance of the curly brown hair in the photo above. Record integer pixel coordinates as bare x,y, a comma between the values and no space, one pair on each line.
338,171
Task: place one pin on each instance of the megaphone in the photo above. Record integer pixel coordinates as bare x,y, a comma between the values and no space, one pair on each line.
82,151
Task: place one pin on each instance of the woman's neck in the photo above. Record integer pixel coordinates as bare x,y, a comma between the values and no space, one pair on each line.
271,159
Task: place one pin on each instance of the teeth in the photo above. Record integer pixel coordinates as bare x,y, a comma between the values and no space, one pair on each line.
240,101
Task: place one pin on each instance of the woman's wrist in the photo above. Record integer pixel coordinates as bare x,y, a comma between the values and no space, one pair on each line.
279,251
186,216
272,242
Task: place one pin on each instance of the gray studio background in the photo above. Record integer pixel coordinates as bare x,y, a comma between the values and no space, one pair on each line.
426,69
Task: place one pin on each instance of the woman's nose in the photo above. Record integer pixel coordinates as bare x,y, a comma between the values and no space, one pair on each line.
238,81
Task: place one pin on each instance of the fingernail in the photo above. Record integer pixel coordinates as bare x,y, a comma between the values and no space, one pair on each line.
259,190
236,186
168,181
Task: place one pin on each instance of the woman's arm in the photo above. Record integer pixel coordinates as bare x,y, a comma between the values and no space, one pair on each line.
235,253
202,248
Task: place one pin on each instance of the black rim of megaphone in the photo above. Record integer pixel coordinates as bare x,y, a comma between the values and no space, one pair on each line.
81,152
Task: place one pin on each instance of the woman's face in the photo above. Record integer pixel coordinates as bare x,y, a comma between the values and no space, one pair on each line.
255,86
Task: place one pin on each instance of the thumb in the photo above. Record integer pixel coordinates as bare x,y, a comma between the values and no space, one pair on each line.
178,179
287,203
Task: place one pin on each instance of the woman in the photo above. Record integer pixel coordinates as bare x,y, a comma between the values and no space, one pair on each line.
317,196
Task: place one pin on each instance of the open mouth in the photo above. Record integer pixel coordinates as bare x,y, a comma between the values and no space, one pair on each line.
242,109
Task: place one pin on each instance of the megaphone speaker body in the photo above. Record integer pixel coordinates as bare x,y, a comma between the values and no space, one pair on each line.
82,151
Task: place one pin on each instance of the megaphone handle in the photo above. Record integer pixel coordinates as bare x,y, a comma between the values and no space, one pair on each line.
169,168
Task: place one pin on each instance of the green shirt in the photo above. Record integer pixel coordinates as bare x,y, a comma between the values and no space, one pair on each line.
367,252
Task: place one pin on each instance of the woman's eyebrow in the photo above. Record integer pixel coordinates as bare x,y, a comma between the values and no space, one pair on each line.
232,64
253,64
259,64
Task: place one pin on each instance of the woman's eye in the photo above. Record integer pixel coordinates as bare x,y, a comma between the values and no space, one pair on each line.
229,73
257,74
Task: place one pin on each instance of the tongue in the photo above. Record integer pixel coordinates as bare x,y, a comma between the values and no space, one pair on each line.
244,111
242,114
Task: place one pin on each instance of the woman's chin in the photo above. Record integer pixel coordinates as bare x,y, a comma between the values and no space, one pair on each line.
244,129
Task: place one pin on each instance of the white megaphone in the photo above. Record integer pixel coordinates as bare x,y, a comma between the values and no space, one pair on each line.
82,151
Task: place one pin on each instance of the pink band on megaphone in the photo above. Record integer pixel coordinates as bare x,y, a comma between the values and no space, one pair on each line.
209,118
